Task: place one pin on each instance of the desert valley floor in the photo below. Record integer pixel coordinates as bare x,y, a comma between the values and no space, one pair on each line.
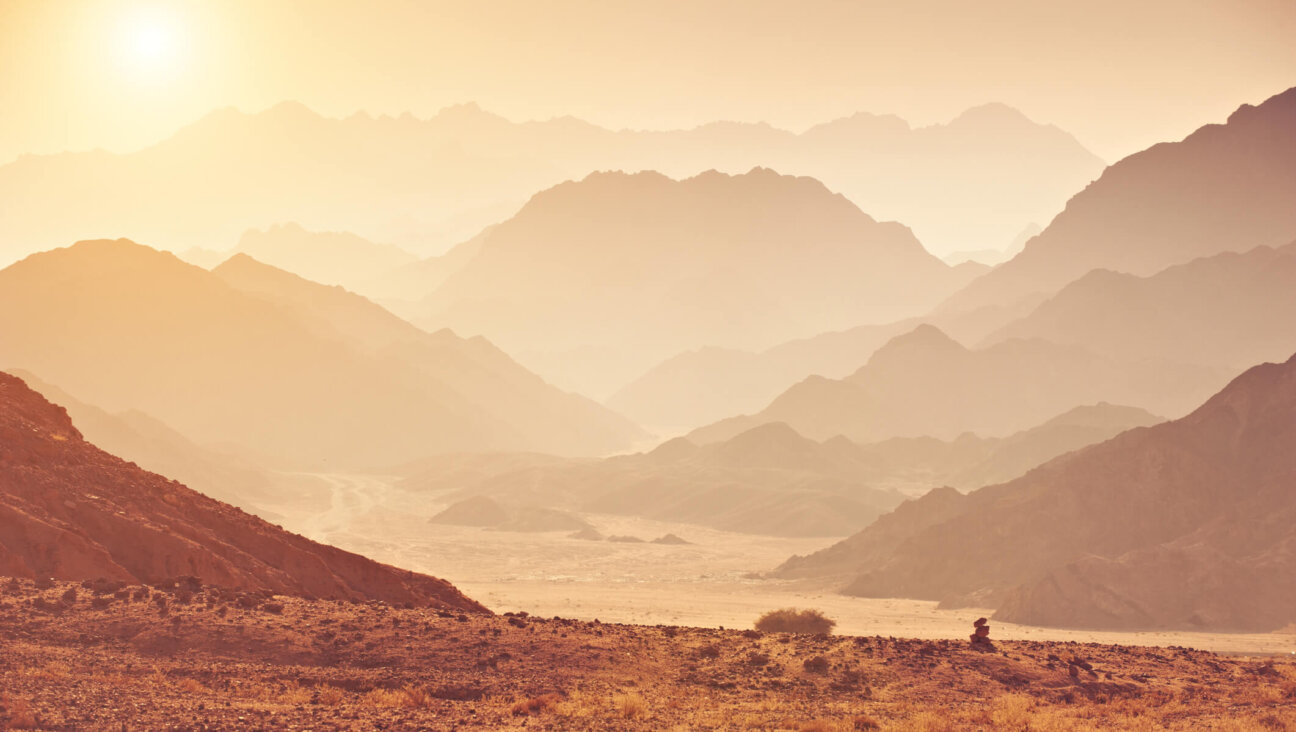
711,582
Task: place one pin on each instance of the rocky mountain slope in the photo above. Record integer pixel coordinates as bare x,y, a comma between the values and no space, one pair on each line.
1225,187
70,511
1226,311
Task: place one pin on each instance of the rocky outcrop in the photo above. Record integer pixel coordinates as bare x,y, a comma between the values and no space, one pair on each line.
70,511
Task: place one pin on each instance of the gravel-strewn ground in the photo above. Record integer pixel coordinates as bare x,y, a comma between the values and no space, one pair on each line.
82,657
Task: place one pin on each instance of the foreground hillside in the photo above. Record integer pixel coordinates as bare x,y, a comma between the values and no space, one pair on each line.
139,657
69,510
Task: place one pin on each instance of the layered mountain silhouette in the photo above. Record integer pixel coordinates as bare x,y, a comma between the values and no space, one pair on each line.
924,383
253,358
424,184
326,257
1223,188
768,480
70,511
1186,524
594,281
1225,311
969,462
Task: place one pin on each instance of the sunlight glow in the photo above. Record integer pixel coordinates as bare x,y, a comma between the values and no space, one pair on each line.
150,46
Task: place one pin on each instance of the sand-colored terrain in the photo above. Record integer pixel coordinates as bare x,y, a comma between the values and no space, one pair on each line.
712,582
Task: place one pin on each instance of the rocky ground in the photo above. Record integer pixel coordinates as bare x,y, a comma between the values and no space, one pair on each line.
185,656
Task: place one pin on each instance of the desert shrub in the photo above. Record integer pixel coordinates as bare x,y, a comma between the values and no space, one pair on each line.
793,620
330,696
536,705
631,706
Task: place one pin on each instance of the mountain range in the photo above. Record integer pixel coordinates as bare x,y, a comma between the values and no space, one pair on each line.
253,360
768,480
1186,524
924,383
1226,187
594,281
1225,311
425,184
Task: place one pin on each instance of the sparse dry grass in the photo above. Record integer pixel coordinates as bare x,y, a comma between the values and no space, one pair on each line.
330,696
628,678
630,706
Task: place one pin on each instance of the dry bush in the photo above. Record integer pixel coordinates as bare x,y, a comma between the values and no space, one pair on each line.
52,670
536,704
794,620
330,696
383,698
631,706
1012,712
295,694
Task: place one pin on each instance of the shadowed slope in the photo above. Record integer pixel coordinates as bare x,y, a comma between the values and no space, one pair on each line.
1186,524
1225,187
1227,311
71,511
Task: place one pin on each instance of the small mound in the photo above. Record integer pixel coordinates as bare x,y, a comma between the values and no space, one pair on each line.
670,539
626,539
475,511
589,533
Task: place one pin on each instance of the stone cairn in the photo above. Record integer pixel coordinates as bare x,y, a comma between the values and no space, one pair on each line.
981,635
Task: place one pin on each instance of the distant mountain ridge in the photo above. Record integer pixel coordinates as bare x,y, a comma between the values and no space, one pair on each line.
1227,311
253,357
1187,524
593,281
425,184
767,480
1225,187
924,383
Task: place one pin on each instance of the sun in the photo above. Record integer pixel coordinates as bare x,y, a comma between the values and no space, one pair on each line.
151,45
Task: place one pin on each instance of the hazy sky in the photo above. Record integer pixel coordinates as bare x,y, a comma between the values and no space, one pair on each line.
1120,75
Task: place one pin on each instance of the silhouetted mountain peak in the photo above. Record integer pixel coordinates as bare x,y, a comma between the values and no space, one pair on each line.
1282,104
923,336
992,113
